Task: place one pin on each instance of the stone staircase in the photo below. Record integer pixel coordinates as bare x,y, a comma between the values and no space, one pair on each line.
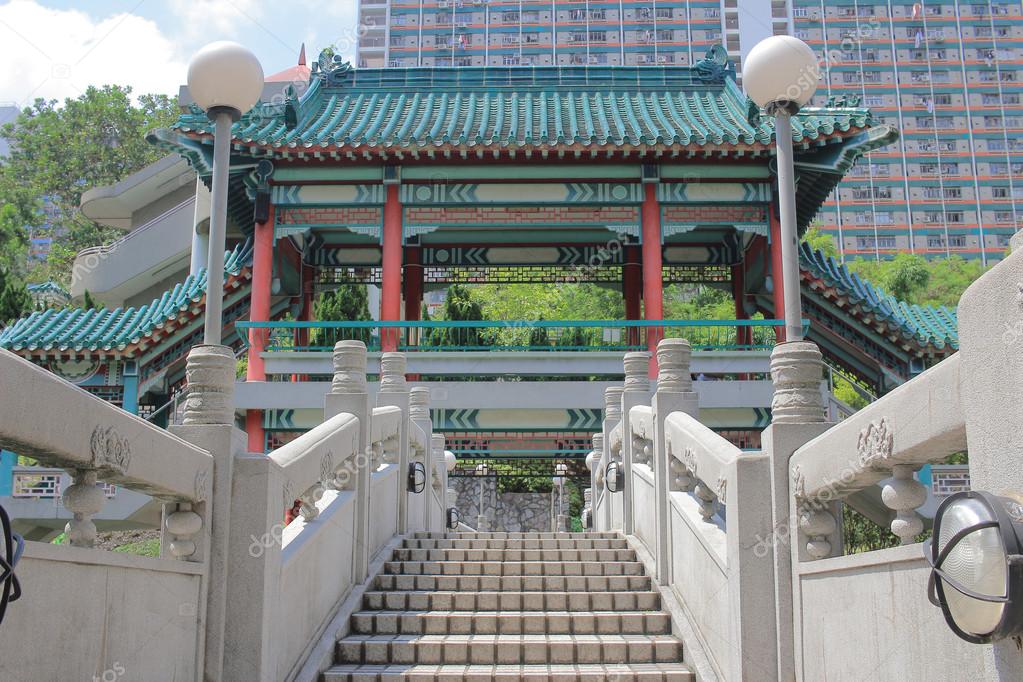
511,606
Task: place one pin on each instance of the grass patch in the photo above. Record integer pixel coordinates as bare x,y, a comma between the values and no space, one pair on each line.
143,548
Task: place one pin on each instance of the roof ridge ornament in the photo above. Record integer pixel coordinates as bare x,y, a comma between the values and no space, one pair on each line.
715,67
331,67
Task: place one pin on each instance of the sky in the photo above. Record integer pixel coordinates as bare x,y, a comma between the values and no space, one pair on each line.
55,49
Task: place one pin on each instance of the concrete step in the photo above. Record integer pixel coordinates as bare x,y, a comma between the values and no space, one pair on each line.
589,535
510,623
655,672
512,583
508,649
511,601
520,568
512,555
553,543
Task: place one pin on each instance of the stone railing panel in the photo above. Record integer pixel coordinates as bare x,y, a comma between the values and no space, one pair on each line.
89,434
918,423
699,460
315,460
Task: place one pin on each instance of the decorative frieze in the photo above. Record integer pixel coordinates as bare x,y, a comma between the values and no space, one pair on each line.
876,444
110,451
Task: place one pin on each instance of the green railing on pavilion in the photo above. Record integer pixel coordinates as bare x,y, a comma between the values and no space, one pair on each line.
520,335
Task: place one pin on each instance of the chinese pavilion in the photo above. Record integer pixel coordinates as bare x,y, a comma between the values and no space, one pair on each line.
632,177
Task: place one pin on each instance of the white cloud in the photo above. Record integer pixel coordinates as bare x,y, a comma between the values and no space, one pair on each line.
55,54
225,18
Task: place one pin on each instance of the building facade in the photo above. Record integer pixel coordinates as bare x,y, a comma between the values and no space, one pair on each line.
947,74
405,33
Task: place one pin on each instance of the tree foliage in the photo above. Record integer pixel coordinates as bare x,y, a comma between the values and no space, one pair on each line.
61,150
911,278
820,241
347,303
15,300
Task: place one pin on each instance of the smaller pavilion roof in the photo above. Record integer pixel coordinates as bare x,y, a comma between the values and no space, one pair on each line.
930,328
116,330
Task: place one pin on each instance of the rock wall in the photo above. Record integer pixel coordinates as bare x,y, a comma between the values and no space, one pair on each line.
512,513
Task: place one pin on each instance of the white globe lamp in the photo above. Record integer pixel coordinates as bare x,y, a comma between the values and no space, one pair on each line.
589,460
781,74
781,71
226,80
450,461
225,75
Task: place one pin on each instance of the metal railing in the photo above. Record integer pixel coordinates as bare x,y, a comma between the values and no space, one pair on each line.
520,335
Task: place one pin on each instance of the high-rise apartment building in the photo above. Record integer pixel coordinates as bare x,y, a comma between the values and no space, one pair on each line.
947,73
560,32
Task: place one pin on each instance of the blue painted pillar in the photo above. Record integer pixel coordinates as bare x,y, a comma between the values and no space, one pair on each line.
130,401
7,462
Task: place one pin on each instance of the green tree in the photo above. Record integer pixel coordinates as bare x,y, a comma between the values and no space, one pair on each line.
950,277
820,241
907,276
347,303
59,151
15,300
88,302
538,336
462,306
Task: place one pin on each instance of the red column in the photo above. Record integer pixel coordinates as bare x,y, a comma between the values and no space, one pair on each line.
390,293
413,284
653,293
632,289
776,273
259,311
742,334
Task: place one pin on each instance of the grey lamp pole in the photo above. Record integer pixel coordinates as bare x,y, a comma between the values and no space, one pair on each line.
789,238
226,80
214,323
781,75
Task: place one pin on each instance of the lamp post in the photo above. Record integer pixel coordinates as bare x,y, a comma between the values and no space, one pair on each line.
781,74
226,80
482,471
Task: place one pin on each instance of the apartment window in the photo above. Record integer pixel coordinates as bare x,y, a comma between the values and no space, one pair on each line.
879,242
800,12
943,193
802,34
883,218
511,60
577,37
664,13
874,100
598,36
864,193
598,14
715,13
665,36
530,17
511,17
531,38
1004,217
577,15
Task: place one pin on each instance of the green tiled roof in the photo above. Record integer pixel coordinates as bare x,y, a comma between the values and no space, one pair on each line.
114,330
927,325
382,111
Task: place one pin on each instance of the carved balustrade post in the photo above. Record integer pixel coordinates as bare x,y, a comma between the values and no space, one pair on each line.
84,499
439,479
612,417
419,414
394,391
798,409
674,394
349,394
202,530
636,392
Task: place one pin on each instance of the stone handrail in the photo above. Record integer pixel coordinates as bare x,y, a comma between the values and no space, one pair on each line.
318,460
90,434
699,460
918,423
641,423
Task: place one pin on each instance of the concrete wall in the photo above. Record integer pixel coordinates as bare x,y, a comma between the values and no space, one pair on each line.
383,507
700,576
316,577
644,508
866,616
108,616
